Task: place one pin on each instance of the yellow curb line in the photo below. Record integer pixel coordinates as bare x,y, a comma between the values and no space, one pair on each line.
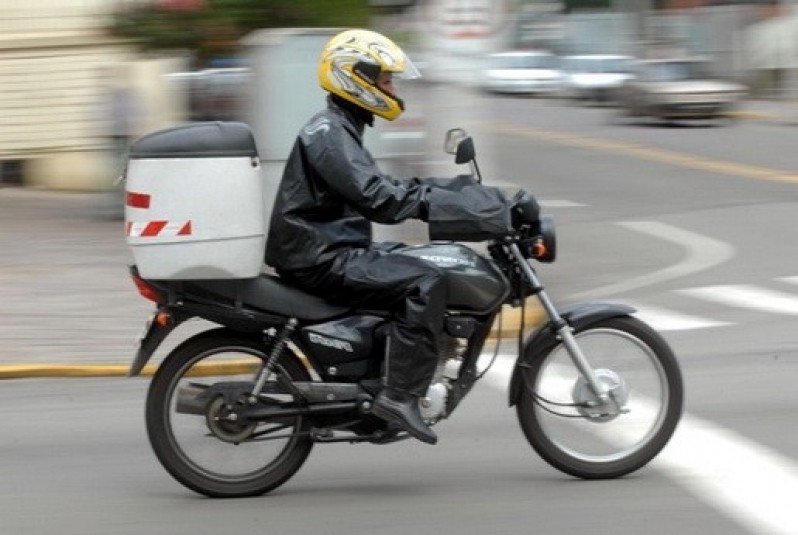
19,371
511,320
747,115
24,371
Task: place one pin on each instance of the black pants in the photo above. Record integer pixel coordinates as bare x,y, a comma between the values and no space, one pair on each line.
381,278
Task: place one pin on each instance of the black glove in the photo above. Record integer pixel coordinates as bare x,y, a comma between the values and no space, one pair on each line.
524,209
451,184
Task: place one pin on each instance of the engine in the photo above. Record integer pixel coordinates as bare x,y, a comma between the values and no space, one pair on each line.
450,357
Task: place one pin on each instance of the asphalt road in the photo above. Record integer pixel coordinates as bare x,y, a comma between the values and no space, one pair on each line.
77,460
691,224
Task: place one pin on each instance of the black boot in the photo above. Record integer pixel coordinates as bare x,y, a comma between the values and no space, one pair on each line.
402,409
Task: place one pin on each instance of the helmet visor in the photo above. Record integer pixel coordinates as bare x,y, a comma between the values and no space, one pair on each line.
410,72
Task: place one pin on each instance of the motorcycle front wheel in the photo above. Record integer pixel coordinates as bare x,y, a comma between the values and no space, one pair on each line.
577,433
189,404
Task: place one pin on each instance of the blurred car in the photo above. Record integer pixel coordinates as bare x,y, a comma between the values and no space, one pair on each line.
678,89
595,77
522,73
214,94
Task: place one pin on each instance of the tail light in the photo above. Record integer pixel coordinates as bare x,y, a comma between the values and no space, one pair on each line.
146,290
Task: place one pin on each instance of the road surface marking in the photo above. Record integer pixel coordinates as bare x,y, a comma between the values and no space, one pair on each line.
702,252
561,203
648,153
745,296
746,481
662,319
790,280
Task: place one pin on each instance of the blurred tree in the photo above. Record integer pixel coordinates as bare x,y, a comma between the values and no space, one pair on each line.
211,28
586,5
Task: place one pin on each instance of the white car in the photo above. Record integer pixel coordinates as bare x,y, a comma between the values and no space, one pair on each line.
522,73
595,77
679,88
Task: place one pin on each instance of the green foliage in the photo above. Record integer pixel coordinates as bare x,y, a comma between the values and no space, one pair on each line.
590,5
213,29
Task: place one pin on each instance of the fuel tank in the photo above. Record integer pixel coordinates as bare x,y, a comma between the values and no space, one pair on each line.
475,283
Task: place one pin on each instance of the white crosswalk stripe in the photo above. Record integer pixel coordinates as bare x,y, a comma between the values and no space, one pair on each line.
735,296
705,252
560,203
749,482
746,296
663,319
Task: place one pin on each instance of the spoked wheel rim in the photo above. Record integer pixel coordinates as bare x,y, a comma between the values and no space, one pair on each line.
602,433
216,448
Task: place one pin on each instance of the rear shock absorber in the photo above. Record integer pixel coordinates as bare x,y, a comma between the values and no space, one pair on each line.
274,356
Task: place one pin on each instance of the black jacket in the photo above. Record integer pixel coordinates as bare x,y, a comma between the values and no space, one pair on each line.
332,189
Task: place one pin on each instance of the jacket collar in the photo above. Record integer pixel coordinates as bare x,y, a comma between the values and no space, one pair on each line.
357,116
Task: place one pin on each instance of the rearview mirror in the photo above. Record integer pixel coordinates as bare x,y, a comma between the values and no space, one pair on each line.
459,143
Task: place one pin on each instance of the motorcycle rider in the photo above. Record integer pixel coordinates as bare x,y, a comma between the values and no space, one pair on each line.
320,236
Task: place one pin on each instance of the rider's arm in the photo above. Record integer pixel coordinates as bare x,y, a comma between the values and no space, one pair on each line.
472,213
459,206
349,169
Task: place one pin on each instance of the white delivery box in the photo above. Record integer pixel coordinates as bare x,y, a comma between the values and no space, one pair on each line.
194,203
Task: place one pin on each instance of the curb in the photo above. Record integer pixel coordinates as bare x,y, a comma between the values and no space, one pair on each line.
511,321
747,115
29,371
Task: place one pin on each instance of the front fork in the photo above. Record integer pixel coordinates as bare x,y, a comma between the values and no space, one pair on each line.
564,331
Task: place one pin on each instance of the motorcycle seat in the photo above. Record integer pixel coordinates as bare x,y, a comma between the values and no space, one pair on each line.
268,293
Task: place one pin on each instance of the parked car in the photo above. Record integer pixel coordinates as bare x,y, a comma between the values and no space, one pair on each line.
678,89
522,73
595,77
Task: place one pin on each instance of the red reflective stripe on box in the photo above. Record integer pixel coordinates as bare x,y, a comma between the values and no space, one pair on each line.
138,200
153,228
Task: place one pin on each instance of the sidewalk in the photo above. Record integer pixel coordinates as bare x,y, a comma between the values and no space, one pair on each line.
66,296
68,307
778,112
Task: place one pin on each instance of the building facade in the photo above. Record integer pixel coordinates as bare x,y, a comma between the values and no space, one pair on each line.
57,62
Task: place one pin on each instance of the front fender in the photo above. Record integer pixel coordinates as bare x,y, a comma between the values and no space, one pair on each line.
578,316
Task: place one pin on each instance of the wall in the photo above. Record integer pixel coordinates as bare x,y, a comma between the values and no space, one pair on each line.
54,60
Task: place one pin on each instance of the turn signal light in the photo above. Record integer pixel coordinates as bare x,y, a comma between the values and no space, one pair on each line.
163,318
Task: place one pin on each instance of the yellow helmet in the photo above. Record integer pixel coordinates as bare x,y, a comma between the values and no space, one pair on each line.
350,63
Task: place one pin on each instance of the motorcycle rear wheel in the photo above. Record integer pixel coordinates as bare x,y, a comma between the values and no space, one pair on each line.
599,441
206,453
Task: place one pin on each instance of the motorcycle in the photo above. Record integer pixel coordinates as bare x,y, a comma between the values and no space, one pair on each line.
236,410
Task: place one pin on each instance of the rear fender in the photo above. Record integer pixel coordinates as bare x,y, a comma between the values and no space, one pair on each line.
578,316
154,335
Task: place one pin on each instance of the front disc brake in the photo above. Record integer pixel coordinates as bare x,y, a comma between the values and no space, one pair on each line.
591,407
